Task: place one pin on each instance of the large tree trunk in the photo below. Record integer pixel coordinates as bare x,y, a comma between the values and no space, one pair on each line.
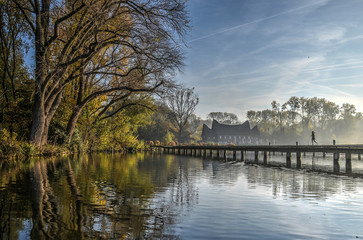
41,66
38,123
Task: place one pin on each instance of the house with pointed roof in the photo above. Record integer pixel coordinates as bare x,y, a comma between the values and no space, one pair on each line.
237,134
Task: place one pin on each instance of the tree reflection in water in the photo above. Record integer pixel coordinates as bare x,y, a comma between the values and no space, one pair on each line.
96,196
131,196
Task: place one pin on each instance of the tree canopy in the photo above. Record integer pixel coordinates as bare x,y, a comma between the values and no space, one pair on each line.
92,61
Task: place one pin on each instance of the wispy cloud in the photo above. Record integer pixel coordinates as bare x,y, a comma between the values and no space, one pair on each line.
259,20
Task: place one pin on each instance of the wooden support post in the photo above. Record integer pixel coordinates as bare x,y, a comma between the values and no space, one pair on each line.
264,158
313,154
282,153
348,163
234,155
359,157
256,156
298,160
304,154
225,154
336,163
288,159
269,153
218,154
211,153
242,156
195,152
204,153
324,154
333,142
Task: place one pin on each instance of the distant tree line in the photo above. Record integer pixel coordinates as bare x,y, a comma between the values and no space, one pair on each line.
296,118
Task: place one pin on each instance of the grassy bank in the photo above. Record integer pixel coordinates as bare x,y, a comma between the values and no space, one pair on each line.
12,150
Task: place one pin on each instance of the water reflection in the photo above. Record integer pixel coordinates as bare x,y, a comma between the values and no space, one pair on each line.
139,196
95,196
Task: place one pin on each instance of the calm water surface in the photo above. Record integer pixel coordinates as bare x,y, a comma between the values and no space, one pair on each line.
155,196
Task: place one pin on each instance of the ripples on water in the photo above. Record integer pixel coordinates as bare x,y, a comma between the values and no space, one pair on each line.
153,196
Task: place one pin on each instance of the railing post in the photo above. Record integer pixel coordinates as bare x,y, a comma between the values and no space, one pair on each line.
264,157
256,156
298,160
348,163
288,159
336,163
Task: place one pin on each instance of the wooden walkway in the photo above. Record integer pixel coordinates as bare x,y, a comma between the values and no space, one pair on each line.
220,152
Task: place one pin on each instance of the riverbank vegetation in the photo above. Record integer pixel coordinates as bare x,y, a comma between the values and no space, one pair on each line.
89,75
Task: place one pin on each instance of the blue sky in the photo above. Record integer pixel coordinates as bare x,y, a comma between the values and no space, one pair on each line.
243,54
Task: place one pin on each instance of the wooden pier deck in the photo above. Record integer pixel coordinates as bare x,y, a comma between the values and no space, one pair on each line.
220,152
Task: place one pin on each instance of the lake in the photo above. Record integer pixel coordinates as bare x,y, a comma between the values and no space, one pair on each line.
162,196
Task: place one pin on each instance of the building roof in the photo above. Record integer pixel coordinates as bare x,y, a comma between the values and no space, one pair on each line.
255,132
231,130
207,132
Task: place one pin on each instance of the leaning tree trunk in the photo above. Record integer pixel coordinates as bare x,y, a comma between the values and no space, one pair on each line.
72,122
53,105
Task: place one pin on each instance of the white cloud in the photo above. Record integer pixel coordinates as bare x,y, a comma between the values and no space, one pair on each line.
331,34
